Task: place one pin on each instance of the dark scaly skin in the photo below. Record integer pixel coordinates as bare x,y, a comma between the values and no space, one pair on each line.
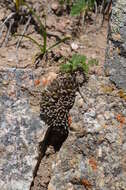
55,104
58,99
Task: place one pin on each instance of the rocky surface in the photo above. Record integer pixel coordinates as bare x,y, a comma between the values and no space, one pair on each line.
94,155
116,52
20,130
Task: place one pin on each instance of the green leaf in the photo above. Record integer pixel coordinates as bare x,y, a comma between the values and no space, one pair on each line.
77,58
32,40
57,43
66,67
85,68
92,62
75,62
42,27
82,6
78,61
78,7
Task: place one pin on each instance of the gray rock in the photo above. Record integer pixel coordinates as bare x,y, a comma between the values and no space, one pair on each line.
96,158
107,115
101,120
20,130
115,65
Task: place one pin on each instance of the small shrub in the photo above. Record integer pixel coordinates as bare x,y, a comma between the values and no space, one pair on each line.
82,6
78,61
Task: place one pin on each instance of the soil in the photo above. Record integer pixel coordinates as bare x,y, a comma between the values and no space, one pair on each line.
87,41
44,172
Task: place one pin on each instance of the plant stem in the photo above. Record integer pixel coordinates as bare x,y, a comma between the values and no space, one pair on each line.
31,39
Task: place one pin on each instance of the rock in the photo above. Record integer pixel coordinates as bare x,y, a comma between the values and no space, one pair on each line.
91,101
19,131
51,187
96,128
107,115
55,6
94,158
91,113
2,15
80,103
51,22
101,106
115,65
76,126
110,137
70,186
101,120
124,147
74,46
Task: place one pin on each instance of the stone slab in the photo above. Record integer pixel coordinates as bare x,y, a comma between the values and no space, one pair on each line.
115,65
20,130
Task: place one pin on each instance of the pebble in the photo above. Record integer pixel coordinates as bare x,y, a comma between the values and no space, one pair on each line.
101,107
97,126
99,152
10,148
110,137
101,120
80,103
124,147
107,115
76,126
124,112
51,187
74,46
55,6
70,186
90,114
91,101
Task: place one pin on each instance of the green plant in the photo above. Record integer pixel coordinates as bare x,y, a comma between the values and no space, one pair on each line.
78,61
42,29
82,6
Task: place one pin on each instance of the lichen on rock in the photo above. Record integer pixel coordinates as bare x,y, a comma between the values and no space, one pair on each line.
115,65
20,130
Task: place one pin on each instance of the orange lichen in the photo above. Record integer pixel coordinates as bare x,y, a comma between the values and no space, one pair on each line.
122,94
107,89
121,121
45,82
93,163
48,78
86,183
69,120
36,82
120,118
